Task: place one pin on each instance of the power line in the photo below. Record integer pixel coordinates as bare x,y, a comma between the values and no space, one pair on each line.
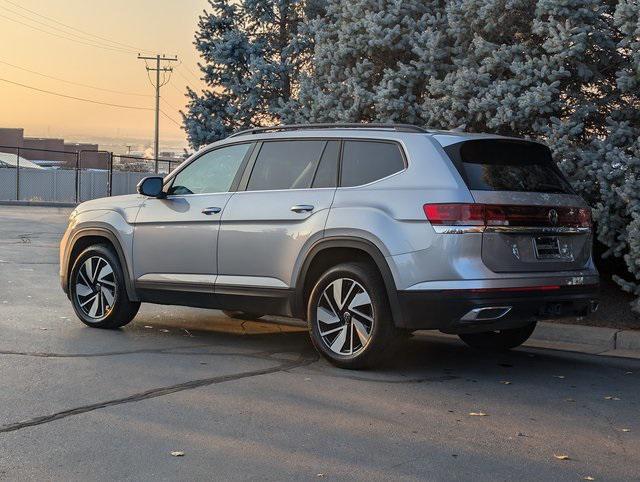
175,88
73,97
162,99
170,118
184,77
57,29
114,49
181,64
72,82
132,47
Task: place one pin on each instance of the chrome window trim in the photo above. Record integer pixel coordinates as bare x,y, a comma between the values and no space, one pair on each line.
302,189
360,186
537,229
441,229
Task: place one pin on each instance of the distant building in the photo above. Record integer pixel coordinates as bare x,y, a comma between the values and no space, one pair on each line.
12,160
51,164
171,156
37,149
89,158
10,137
65,155
80,146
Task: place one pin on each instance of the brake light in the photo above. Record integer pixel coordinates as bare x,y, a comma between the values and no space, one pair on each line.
460,214
455,214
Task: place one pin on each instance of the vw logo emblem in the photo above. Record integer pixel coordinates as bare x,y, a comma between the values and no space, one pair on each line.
553,216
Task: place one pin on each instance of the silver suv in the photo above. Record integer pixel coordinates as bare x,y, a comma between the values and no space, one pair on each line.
368,232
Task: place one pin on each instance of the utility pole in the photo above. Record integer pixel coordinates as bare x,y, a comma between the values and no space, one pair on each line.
157,69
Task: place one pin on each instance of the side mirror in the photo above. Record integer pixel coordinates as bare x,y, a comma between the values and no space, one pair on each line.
151,186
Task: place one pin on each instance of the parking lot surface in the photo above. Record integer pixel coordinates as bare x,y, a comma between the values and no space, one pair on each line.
251,400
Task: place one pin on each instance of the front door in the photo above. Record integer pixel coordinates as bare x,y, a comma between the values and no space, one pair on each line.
281,205
175,239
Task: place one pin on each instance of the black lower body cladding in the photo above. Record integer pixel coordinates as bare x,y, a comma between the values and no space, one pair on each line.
452,311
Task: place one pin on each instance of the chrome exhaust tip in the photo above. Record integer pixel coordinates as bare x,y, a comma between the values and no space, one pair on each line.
487,313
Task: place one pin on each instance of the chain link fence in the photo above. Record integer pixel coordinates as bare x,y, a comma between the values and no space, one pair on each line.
42,175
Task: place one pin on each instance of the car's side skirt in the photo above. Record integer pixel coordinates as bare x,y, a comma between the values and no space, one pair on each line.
268,301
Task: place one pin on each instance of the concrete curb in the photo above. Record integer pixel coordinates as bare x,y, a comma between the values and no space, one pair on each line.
628,340
603,338
39,204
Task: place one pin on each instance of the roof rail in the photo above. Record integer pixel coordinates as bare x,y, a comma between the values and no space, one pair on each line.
296,127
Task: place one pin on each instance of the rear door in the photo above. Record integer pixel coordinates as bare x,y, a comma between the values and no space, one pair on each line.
288,188
535,221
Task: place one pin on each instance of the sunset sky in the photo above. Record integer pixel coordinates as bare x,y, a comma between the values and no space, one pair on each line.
151,26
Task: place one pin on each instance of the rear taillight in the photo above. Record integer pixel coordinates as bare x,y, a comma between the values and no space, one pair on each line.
507,215
455,214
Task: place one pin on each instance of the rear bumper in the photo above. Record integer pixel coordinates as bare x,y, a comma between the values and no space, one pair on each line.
476,310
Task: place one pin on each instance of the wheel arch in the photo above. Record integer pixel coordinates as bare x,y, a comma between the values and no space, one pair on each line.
321,255
86,237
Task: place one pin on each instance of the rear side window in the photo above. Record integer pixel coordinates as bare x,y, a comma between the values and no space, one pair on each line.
367,161
504,165
285,165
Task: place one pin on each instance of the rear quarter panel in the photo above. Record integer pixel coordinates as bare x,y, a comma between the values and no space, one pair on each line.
389,212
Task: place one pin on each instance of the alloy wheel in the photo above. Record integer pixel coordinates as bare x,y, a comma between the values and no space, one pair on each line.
345,317
96,288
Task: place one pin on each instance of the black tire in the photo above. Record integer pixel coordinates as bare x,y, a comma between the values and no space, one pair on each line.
242,315
499,340
112,311
382,337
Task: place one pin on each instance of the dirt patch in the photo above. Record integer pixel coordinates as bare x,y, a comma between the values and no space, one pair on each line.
614,311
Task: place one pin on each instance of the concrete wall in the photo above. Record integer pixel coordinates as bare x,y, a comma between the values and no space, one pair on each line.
59,185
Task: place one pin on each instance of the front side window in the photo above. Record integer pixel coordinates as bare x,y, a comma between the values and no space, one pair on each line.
285,165
212,172
367,161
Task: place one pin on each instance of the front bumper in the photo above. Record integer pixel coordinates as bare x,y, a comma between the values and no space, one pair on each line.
477,310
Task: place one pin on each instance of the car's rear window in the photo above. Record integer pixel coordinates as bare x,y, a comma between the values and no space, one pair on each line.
506,165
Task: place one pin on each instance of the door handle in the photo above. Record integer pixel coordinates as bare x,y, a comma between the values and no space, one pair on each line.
302,208
212,210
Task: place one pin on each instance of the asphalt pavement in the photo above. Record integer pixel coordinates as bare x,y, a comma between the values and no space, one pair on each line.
251,400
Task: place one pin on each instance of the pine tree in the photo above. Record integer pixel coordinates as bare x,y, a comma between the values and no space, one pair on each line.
619,205
565,72
252,52
362,49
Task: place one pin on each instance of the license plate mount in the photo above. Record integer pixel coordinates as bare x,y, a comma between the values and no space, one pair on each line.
547,247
